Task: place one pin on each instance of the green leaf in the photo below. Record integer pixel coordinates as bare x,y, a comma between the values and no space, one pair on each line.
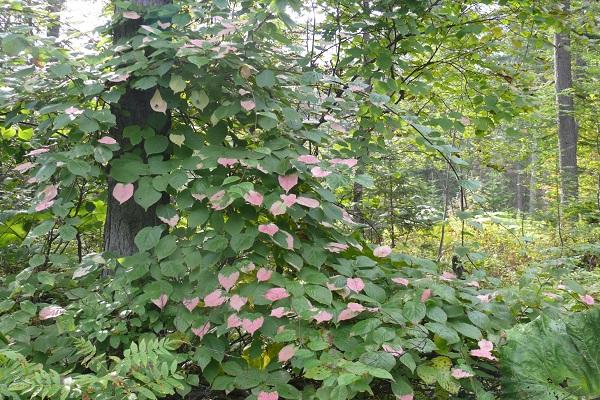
198,217
380,373
319,293
78,167
13,44
364,327
437,314
148,237
216,244
146,195
378,359
166,246
67,232
266,79
177,84
478,318
156,144
242,241
414,311
427,374
467,330
199,99
443,331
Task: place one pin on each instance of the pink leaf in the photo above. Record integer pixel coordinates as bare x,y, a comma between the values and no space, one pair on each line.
473,284
355,307
37,152
425,295
131,15
50,192
233,321
24,167
308,159
400,281
485,298
263,274
484,350
335,247
318,172
203,330
163,25
119,78
198,196
458,373
308,202
355,284
338,127
382,251
269,229
172,222
123,192
289,240
286,353
278,312
277,208
190,304
237,302
157,103
323,316
349,162
346,217
227,162
288,182
248,105
268,396
248,267
346,314
228,281
587,299
254,198
161,302
409,396
288,199
252,326
396,351
217,196
275,294
107,140
214,299
73,111
447,276
43,205
51,312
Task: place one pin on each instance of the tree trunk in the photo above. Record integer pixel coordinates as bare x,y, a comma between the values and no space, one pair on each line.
533,181
54,7
124,221
567,127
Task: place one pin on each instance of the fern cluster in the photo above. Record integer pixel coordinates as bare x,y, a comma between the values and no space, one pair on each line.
147,370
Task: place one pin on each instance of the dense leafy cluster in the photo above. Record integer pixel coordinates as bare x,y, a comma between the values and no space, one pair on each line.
251,278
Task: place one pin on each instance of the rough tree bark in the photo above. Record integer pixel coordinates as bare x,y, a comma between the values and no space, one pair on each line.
124,221
567,126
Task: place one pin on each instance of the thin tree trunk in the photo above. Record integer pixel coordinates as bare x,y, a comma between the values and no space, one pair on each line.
533,181
124,221
54,7
520,203
567,127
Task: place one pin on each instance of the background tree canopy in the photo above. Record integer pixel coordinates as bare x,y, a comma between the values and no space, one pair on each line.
300,200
